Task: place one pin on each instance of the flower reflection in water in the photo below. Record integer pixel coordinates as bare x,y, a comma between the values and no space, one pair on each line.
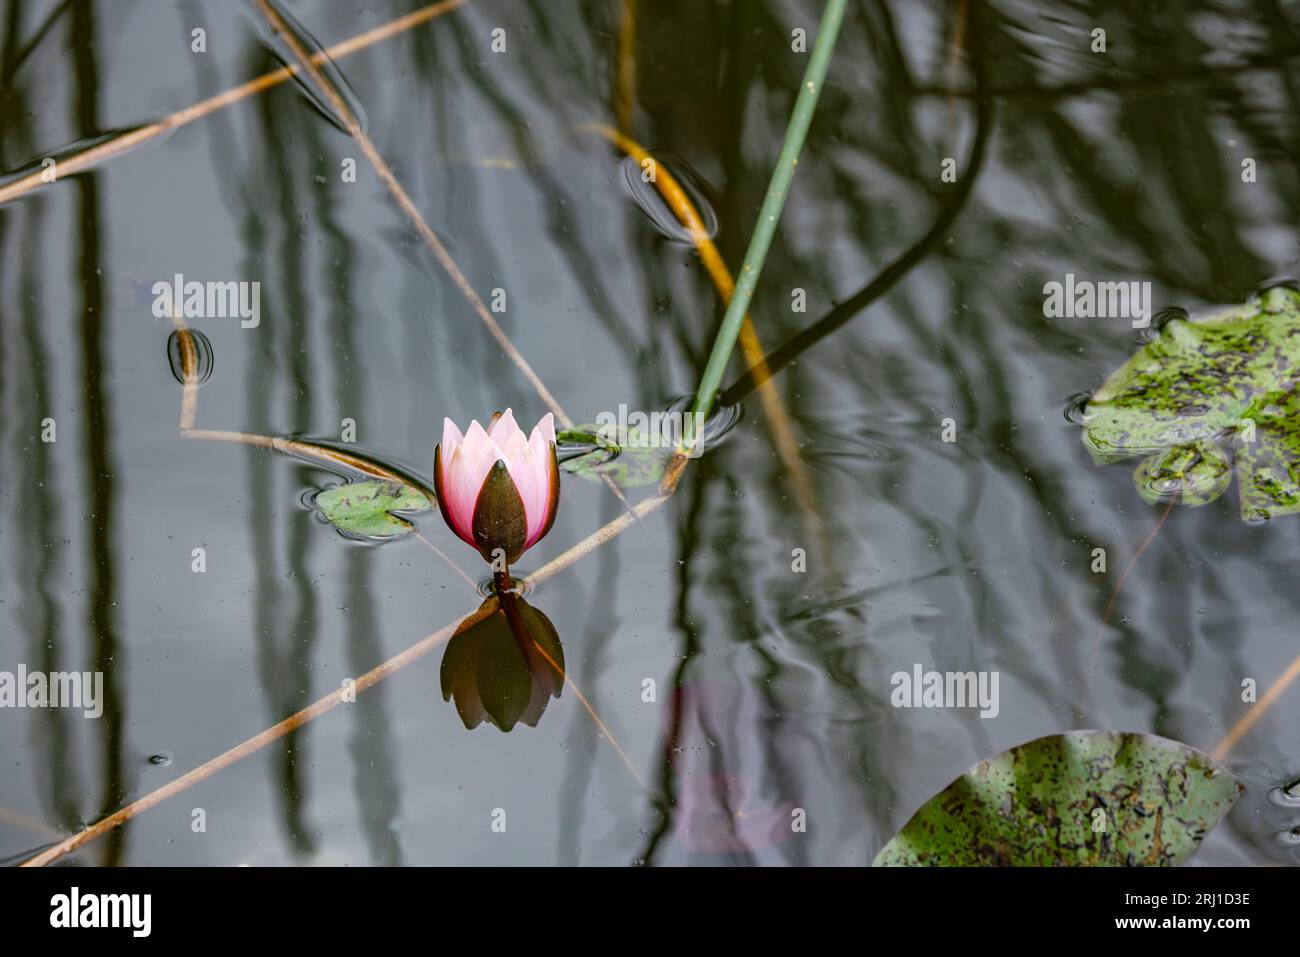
727,806
503,664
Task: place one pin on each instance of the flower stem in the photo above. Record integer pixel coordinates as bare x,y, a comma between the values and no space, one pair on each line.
778,188
504,587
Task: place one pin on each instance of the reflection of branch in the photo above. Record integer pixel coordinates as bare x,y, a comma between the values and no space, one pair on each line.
189,407
115,146
625,95
13,62
1114,595
883,281
668,486
29,824
240,751
327,89
690,648
962,15
443,555
334,698
330,458
1142,85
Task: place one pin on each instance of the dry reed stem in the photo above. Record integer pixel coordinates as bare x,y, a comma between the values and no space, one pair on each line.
312,69
413,215
239,751
331,700
399,661
1247,720
101,152
369,679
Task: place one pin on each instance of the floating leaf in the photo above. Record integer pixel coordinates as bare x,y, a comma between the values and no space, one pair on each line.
632,460
365,509
1092,798
1200,384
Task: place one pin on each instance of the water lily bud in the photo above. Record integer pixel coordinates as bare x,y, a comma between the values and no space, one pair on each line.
497,488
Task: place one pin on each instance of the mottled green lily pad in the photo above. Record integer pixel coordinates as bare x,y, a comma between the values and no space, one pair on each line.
630,459
365,509
1086,798
1202,385
1197,473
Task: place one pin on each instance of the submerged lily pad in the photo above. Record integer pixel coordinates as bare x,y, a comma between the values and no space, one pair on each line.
1090,798
365,509
1229,378
632,460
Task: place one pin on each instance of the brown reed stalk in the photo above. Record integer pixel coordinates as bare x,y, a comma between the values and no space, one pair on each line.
121,143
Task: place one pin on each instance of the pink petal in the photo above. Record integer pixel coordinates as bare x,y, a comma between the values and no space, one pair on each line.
547,427
530,493
460,509
513,446
538,501
513,443
475,456
504,425
451,438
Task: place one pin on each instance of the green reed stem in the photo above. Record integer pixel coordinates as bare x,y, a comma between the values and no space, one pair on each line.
795,133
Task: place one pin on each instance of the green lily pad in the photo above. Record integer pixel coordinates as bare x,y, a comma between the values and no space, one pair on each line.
1198,473
630,460
365,509
1204,384
1085,798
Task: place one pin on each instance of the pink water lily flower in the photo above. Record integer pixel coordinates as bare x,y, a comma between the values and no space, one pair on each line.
497,488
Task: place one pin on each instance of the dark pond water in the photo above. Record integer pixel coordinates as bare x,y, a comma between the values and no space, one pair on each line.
771,687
